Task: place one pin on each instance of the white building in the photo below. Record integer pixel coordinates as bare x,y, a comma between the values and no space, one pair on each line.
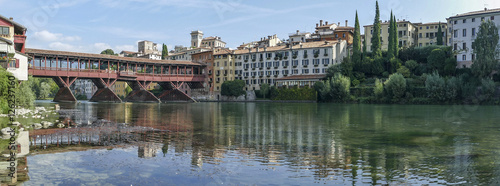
84,87
270,41
299,37
264,65
12,41
186,54
463,29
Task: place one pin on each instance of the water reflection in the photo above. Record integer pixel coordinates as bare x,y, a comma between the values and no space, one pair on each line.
306,143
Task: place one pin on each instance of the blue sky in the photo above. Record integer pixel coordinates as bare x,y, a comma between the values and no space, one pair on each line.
94,25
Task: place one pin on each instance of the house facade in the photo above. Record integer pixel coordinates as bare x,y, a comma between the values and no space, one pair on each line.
12,47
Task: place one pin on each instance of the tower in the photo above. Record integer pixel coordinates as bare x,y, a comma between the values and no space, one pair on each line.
196,37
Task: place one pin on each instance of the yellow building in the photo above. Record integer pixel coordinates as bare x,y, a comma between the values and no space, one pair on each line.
119,88
427,33
223,67
407,34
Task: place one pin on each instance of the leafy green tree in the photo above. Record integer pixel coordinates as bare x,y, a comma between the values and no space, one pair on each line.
128,90
487,89
396,86
108,52
164,52
319,86
264,89
379,88
4,84
435,87
452,88
376,43
485,49
24,95
439,35
340,87
450,66
390,49
436,60
411,64
404,71
233,88
44,90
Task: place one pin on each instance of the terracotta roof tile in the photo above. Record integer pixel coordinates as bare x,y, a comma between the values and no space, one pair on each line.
497,10
31,51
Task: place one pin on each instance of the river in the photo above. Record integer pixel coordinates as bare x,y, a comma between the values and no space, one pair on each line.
269,143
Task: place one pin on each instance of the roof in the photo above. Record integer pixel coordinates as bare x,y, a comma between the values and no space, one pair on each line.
431,23
480,12
302,77
387,22
347,28
31,51
326,26
314,44
222,51
128,52
13,22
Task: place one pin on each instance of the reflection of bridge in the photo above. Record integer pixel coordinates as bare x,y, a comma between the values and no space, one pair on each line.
105,70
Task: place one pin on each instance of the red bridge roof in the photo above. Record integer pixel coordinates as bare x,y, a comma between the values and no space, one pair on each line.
31,51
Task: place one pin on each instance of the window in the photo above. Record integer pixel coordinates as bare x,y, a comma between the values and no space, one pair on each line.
285,63
473,32
464,46
316,71
455,46
276,64
343,35
305,62
455,33
336,36
454,22
295,71
13,63
464,57
419,35
4,30
315,61
420,44
464,21
305,71
464,32
426,35
217,63
269,64
482,18
427,27
325,61
473,57
492,18
473,19
295,62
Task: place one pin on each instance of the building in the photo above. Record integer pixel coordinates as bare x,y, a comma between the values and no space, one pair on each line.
407,34
12,47
83,87
270,41
299,80
148,47
332,32
206,58
463,29
119,88
128,54
266,65
427,33
186,55
298,37
224,67
198,41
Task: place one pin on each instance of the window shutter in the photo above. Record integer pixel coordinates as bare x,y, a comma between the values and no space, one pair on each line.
17,63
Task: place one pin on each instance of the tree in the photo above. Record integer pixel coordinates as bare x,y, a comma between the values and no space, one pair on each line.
435,87
439,35
356,56
396,39
128,90
108,52
379,88
340,86
164,51
450,66
264,89
436,60
44,90
390,49
485,49
233,88
376,47
396,86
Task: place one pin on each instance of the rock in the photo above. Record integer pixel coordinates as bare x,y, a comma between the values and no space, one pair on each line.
21,129
6,130
60,125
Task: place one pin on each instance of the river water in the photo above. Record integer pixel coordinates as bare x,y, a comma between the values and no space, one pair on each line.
268,143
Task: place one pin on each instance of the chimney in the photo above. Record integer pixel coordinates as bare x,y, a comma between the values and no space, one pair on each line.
317,25
338,24
326,22
10,18
484,10
345,23
320,22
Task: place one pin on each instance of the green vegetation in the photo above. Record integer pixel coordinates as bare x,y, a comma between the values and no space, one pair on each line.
264,89
294,94
336,88
439,35
108,52
233,88
485,49
23,92
164,52
376,43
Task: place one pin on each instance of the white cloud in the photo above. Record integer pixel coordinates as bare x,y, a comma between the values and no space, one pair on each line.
47,36
120,48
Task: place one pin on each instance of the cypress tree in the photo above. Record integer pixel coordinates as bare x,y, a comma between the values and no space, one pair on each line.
164,51
390,48
439,35
396,37
376,48
356,58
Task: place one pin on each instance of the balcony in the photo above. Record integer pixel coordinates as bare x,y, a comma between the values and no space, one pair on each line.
19,39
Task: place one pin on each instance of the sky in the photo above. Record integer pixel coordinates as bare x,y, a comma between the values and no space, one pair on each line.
94,25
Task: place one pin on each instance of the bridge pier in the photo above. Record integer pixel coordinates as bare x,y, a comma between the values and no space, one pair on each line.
172,93
140,93
104,93
64,93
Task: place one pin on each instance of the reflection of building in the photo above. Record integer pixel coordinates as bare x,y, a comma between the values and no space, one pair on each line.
83,87
119,88
12,45
147,150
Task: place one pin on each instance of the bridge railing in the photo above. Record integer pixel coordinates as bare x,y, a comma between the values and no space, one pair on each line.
120,73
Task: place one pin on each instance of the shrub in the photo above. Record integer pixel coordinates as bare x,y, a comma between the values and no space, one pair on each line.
233,88
436,60
411,65
435,87
340,86
379,88
355,83
452,89
487,89
396,86
450,66
404,71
